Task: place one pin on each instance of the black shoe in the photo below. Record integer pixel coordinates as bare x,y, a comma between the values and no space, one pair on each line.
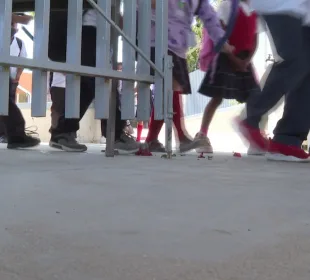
22,142
67,142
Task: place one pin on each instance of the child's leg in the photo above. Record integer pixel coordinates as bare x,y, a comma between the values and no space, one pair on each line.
156,125
154,128
178,116
139,130
208,114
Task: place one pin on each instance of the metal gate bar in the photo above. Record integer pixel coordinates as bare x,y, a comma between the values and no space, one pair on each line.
103,72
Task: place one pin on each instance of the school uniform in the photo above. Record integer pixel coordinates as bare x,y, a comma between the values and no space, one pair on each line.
226,81
61,125
181,14
17,48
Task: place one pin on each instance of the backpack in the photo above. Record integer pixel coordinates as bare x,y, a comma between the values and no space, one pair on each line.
20,44
57,43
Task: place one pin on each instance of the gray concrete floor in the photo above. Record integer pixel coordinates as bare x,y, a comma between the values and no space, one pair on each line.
87,217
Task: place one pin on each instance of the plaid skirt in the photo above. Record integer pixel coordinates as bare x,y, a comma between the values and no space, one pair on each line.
179,71
227,83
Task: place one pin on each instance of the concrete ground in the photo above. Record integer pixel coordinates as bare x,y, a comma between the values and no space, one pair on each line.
87,217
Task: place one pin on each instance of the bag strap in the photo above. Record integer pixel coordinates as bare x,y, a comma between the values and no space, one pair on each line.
20,44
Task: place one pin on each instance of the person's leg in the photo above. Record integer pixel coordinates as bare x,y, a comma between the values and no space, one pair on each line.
139,130
208,115
286,74
57,110
292,129
3,136
15,126
123,141
63,136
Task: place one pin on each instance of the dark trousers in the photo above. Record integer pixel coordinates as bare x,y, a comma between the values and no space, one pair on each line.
88,58
12,125
62,125
13,88
289,76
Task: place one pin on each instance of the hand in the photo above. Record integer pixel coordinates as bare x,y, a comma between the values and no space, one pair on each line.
228,48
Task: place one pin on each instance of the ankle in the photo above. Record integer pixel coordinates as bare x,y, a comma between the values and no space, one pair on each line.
203,131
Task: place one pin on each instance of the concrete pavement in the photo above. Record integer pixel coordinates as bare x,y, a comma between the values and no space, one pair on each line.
84,216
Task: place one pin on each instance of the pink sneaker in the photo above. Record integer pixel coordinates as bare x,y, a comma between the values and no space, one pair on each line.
282,152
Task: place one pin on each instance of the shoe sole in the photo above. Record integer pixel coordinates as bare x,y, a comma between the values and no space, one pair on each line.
283,158
66,149
22,146
202,150
126,152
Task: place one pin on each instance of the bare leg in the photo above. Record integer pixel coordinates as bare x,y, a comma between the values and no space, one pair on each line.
209,114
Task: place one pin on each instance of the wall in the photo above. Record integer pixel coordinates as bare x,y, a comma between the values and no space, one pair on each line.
90,131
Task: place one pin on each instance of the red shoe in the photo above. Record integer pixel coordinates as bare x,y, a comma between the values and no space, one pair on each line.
253,135
282,152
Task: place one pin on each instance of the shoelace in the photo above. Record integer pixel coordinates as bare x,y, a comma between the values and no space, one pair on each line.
32,131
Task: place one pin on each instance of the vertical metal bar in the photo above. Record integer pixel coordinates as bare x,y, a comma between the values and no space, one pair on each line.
144,42
74,39
5,35
161,47
115,15
40,53
168,93
103,86
129,28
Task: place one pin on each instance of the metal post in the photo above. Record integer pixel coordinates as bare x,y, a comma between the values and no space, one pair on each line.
115,12
161,46
144,38
129,27
168,93
5,35
74,41
103,56
40,53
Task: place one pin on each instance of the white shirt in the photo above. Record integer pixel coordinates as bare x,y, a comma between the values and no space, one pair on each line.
90,18
16,51
59,80
290,7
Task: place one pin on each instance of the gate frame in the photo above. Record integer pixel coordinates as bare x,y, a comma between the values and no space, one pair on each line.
74,70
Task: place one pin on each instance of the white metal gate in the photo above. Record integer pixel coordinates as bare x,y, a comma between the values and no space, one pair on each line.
106,78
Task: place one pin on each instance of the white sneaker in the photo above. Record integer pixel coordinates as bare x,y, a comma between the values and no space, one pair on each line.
103,140
205,146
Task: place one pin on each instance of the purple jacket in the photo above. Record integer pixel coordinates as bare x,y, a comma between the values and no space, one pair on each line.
180,21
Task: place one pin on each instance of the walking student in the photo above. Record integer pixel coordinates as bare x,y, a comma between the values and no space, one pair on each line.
18,49
234,76
181,14
288,24
63,137
14,123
